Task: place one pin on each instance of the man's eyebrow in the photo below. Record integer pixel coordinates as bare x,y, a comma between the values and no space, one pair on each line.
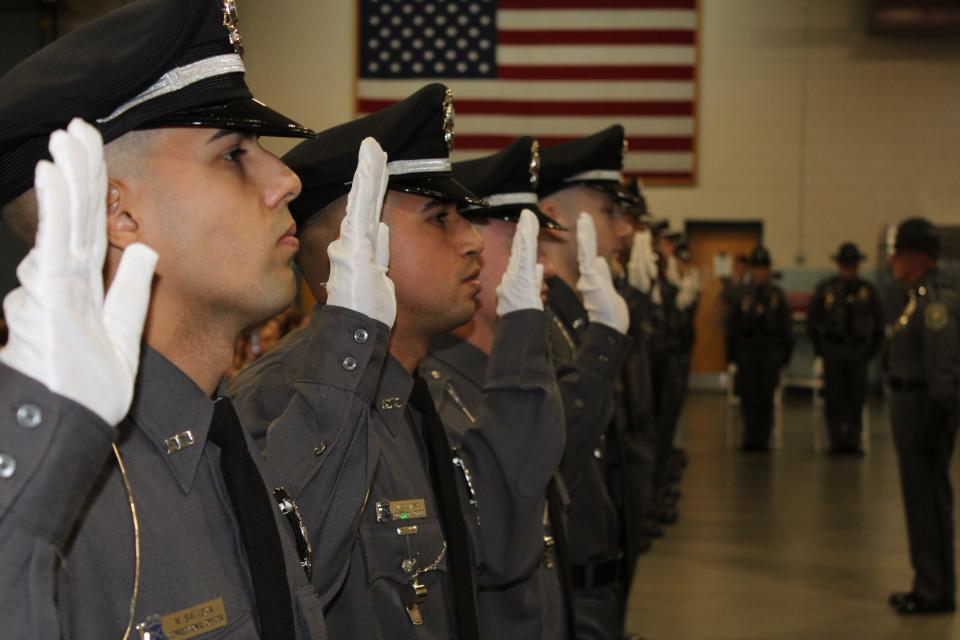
433,204
229,132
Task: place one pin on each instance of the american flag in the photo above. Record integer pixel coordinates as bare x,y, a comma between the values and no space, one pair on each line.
552,69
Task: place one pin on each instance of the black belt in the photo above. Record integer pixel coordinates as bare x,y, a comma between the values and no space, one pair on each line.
596,574
899,384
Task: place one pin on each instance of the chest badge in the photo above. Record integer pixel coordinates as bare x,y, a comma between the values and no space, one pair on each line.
935,316
401,510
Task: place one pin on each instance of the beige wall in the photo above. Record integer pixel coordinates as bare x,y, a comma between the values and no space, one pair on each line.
822,124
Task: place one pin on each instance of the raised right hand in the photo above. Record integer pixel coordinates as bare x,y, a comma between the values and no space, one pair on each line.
64,332
360,257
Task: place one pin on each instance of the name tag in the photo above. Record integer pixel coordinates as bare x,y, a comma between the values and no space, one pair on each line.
394,510
195,621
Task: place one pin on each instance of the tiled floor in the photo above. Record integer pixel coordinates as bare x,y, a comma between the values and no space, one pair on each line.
788,546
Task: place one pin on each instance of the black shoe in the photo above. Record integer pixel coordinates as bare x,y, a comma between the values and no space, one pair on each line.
668,516
652,531
897,597
912,604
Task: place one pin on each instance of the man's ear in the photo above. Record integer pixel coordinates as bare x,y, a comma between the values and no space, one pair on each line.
123,227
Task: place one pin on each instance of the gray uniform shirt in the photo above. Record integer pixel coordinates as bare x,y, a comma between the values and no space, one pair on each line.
924,345
362,478
507,408
69,544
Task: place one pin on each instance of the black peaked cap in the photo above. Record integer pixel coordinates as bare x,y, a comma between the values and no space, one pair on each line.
595,161
918,234
760,257
507,180
417,136
149,64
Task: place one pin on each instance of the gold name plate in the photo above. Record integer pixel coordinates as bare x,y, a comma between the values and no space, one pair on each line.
394,510
195,621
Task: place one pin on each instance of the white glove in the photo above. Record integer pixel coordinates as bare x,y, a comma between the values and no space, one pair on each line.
818,367
63,332
521,283
689,288
672,272
642,267
732,368
601,300
360,257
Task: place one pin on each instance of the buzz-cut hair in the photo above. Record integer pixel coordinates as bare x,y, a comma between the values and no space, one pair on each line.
121,156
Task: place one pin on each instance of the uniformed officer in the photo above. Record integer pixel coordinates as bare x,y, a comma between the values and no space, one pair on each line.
404,565
759,343
666,350
495,387
176,534
636,408
923,366
589,343
845,323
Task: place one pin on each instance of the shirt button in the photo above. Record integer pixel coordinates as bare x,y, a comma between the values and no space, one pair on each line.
360,336
29,416
578,403
349,363
602,357
7,466
320,448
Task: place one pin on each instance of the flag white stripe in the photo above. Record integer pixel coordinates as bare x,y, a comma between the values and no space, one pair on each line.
538,126
534,20
521,90
595,54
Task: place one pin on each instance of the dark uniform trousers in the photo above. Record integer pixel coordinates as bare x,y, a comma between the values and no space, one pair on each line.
845,323
923,365
760,342
588,359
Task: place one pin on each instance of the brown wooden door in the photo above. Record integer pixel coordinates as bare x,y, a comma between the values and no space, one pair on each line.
707,242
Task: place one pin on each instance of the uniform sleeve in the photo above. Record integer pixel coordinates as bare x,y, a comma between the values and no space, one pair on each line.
586,387
321,449
53,451
515,446
260,396
941,355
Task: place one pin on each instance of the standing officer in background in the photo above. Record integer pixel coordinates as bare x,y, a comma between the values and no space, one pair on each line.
759,344
845,323
923,365
493,383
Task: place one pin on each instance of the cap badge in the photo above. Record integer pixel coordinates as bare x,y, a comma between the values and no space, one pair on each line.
231,22
449,115
535,164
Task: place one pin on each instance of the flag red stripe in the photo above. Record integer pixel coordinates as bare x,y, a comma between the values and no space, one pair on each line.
596,4
554,108
596,72
641,143
601,37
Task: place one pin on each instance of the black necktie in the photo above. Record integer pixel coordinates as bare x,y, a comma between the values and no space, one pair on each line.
253,508
451,515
